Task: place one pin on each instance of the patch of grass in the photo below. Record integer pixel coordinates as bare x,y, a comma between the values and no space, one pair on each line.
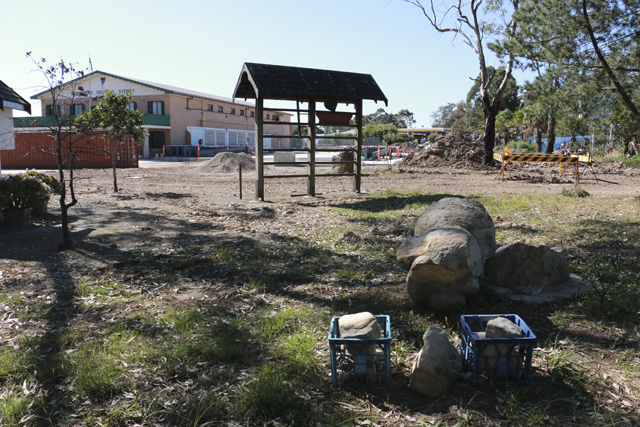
269,394
576,191
299,353
14,405
14,364
100,367
102,290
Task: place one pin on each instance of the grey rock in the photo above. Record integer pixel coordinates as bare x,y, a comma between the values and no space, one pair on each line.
344,156
501,327
445,266
360,325
468,214
520,265
500,360
437,364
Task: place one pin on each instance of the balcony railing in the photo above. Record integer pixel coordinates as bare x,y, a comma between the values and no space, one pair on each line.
156,120
50,121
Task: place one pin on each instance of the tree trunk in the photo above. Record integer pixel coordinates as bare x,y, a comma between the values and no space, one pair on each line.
64,212
489,136
115,177
551,133
538,133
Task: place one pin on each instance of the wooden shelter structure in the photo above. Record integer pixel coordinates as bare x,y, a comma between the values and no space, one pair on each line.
308,86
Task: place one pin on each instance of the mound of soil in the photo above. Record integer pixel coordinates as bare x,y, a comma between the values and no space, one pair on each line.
456,150
228,162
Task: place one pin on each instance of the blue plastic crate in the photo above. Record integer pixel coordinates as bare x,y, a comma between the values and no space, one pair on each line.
361,362
500,360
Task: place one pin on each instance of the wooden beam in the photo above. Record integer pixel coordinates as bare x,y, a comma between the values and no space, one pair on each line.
259,150
357,179
311,183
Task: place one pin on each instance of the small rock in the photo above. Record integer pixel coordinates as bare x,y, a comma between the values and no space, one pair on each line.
437,364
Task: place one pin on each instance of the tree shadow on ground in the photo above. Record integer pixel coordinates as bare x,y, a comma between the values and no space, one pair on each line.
382,202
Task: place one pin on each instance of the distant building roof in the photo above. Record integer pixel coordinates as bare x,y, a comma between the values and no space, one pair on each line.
293,83
9,98
158,86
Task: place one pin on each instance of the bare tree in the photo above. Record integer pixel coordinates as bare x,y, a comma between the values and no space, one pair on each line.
66,144
465,19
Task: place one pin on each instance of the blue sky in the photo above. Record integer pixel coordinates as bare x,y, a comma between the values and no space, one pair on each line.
201,45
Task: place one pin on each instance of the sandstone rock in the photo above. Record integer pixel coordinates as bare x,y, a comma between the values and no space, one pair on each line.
359,325
365,326
445,266
520,265
464,213
344,156
437,364
500,360
501,327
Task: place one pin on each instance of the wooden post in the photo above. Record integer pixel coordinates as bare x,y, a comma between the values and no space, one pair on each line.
357,180
311,182
240,179
259,149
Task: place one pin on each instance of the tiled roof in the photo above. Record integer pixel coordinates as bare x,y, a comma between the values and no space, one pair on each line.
9,95
294,83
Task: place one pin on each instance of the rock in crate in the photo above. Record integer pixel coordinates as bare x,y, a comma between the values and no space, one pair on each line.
360,361
497,348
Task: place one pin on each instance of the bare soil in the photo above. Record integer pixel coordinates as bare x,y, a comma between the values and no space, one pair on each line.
164,206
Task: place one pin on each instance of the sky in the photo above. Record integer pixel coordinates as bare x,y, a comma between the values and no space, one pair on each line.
202,44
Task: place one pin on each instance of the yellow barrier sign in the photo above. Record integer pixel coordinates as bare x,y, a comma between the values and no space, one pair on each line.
507,157
527,157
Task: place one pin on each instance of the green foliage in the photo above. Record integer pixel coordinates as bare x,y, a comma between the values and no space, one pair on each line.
388,133
576,191
510,101
53,183
270,394
21,191
14,405
402,119
113,116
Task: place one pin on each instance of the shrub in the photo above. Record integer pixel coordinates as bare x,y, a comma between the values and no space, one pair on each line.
20,191
52,182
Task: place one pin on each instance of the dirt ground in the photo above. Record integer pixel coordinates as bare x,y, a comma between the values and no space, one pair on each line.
165,201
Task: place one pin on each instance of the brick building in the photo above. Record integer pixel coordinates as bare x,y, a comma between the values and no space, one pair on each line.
173,116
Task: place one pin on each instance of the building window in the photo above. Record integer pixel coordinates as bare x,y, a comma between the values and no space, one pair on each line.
252,114
77,109
220,109
232,111
276,117
242,112
209,107
132,106
268,117
52,110
155,107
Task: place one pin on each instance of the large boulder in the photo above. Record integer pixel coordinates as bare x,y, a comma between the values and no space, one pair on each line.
464,213
520,265
445,266
532,274
343,156
437,364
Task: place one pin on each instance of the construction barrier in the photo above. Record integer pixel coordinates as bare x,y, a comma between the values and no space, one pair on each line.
561,159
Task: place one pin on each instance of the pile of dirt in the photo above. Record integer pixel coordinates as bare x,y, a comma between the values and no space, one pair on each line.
228,162
451,150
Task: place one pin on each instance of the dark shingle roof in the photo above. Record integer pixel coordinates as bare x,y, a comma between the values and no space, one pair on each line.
294,83
8,94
